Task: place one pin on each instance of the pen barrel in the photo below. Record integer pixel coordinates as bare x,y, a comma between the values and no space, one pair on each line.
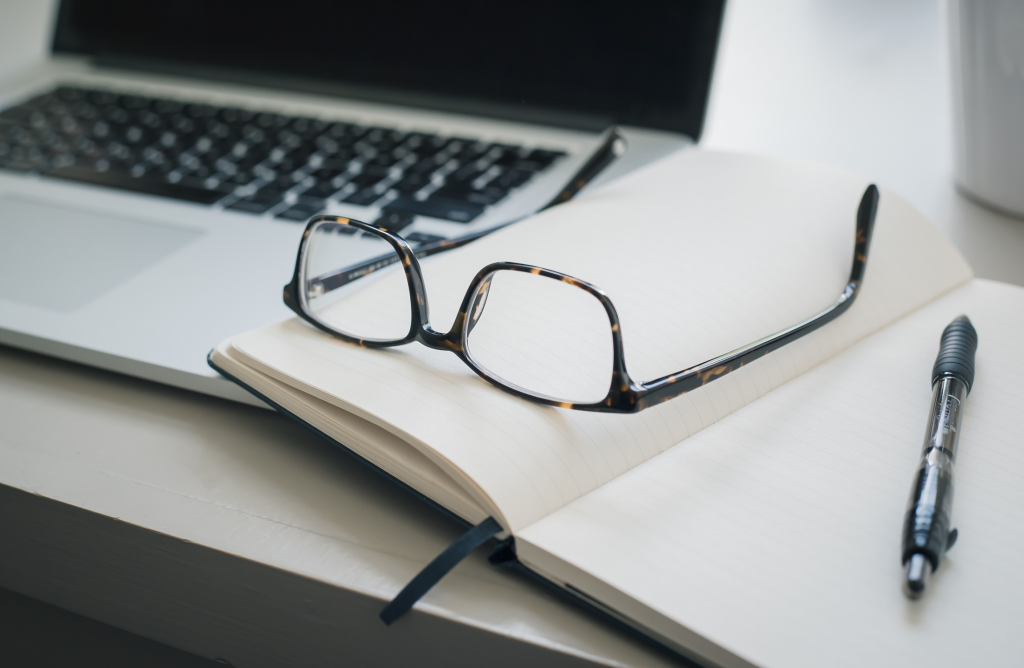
927,523
926,526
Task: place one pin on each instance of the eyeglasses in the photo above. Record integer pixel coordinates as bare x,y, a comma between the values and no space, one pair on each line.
539,334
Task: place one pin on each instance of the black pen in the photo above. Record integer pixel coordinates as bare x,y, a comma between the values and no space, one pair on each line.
926,532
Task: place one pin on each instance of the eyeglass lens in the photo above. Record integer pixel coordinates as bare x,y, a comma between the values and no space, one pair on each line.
377,306
543,335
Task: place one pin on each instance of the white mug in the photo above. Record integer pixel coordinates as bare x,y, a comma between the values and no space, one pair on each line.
987,48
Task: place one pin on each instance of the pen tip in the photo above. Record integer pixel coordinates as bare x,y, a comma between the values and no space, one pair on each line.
916,573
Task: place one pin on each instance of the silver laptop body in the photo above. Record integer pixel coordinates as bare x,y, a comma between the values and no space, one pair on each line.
129,279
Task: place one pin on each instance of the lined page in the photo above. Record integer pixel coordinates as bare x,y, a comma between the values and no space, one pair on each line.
773,537
700,252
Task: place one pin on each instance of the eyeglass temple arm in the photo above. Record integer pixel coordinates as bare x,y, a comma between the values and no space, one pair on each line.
671,386
611,147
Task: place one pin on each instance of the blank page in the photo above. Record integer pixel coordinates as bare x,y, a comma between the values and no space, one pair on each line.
379,447
773,536
700,252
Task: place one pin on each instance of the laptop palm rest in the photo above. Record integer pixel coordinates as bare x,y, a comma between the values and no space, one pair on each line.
61,259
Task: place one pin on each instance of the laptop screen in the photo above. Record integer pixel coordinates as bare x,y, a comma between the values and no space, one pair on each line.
646,62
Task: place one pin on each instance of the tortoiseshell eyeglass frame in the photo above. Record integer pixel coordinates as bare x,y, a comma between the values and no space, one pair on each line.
624,394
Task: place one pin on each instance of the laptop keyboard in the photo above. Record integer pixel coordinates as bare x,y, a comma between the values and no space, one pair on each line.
256,162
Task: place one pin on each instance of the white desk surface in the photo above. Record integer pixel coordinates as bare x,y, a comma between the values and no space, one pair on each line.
276,549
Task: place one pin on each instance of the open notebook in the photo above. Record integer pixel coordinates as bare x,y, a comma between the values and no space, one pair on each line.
755,521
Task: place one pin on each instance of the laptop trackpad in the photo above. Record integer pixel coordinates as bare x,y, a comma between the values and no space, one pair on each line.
60,258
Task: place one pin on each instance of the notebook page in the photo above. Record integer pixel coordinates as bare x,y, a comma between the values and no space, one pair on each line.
379,447
701,253
775,533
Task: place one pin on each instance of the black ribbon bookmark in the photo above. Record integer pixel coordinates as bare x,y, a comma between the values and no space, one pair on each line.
438,568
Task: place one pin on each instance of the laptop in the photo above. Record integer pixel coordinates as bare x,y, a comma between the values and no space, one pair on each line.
157,169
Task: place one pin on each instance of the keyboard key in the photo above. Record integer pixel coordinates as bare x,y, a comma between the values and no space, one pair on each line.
424,166
326,173
472,152
364,197
312,201
146,186
116,115
438,207
340,130
300,212
383,160
303,127
289,165
465,174
248,205
374,171
205,182
236,116
485,196
544,158
513,178
287,181
269,192
200,111
260,202
393,221
327,146
527,165
321,190
100,97
340,162
430,147
505,155
367,179
300,155
168,107
421,238
195,168
134,102
411,183
241,178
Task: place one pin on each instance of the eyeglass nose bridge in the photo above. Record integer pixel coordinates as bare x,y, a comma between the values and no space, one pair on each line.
468,316
432,338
